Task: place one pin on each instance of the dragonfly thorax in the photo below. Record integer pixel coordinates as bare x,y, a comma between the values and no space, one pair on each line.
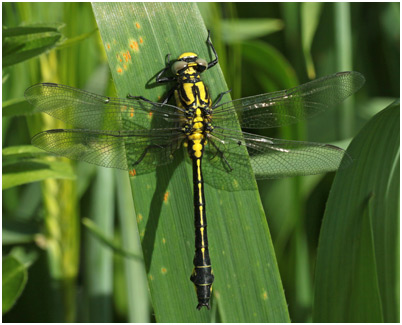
197,124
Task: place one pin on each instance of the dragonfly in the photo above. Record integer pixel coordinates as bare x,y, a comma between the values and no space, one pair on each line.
139,135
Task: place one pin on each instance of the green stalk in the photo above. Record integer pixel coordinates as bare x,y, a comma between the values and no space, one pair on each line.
343,49
99,259
61,223
135,276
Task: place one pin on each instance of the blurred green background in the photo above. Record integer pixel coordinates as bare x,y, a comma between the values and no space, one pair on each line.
262,47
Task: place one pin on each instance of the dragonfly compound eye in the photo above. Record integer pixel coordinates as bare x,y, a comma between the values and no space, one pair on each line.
178,65
201,64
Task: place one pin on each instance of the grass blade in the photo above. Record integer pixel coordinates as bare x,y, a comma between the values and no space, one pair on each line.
24,43
135,277
137,38
99,263
14,278
33,170
310,13
357,265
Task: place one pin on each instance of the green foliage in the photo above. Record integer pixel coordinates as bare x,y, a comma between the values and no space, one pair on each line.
246,29
262,47
22,164
14,278
166,243
25,42
357,268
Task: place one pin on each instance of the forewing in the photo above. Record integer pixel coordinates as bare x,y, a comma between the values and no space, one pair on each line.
290,106
86,110
137,151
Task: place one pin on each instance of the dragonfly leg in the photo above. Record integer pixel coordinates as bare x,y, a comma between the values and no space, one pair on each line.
160,79
221,155
144,153
215,61
220,98
168,95
165,100
139,97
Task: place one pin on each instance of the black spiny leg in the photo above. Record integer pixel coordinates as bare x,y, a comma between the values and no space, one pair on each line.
168,95
220,98
139,97
215,61
160,79
221,155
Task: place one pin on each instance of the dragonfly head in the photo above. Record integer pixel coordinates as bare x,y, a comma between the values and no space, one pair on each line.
189,62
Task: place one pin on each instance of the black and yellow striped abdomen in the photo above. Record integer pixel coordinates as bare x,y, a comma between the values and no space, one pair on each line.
192,94
202,276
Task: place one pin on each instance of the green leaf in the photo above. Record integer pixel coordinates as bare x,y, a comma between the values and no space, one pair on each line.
16,107
357,268
14,279
18,232
344,62
74,40
30,30
247,288
310,16
23,43
246,29
97,232
20,152
277,71
26,164
32,170
136,285
98,270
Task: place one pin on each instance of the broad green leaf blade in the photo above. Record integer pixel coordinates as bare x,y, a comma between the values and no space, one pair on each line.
278,73
26,171
247,286
357,268
14,278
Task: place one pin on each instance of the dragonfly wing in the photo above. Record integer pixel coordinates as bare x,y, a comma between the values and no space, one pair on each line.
139,152
86,110
225,166
290,106
276,158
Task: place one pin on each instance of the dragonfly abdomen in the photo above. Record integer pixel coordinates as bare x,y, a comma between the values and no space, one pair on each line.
194,97
202,276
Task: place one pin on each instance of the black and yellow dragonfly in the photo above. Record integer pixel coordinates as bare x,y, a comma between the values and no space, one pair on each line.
138,135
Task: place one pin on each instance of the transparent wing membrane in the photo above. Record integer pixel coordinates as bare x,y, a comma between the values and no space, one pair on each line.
290,106
86,110
139,152
138,135
275,158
